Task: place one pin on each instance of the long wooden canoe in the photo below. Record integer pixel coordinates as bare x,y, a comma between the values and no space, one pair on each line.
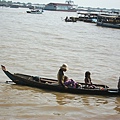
51,84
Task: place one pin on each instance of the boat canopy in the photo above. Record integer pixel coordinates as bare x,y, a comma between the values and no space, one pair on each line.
114,19
109,16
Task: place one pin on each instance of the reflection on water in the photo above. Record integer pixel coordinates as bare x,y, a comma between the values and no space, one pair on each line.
97,100
86,100
63,98
42,102
117,102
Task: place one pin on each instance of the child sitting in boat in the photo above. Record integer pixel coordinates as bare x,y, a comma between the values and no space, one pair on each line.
69,83
88,83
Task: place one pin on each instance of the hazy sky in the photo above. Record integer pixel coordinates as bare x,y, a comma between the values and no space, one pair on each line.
84,3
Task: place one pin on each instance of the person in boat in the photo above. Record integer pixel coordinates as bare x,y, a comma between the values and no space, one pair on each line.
119,84
66,19
87,80
70,83
60,74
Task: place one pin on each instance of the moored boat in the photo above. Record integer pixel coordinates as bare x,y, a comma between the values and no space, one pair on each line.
87,17
35,11
112,21
52,84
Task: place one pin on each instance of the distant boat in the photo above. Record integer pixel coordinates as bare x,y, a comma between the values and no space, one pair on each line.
88,17
68,6
14,6
35,11
70,19
112,21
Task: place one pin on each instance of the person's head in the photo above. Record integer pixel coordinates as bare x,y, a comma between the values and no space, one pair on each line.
65,78
87,74
64,67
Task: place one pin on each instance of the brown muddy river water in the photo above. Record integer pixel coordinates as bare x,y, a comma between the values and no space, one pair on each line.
39,45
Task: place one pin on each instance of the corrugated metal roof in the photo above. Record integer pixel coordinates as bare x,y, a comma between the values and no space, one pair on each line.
60,4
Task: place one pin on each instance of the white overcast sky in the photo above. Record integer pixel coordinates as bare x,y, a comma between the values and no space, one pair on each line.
84,3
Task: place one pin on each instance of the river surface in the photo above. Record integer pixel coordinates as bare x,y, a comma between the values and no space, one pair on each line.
38,44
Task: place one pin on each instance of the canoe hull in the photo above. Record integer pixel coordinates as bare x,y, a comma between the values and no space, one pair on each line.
50,84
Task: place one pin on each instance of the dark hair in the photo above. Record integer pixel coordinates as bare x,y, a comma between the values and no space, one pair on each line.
87,73
65,78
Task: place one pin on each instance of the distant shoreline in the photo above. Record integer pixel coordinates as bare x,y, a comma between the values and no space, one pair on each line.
42,6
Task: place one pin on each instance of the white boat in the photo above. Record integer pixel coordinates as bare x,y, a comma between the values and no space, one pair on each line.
35,11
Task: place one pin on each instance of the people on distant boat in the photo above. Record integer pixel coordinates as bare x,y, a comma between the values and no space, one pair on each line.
70,19
87,80
73,19
119,84
66,19
70,83
60,74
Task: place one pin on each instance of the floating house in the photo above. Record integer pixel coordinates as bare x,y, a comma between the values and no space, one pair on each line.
14,6
67,6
